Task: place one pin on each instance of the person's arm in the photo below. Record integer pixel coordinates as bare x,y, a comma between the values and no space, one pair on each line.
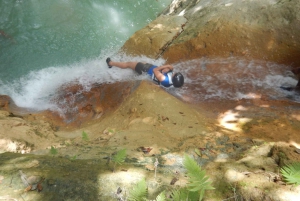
158,72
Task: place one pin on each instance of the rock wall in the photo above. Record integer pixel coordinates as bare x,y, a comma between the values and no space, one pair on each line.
155,37
253,29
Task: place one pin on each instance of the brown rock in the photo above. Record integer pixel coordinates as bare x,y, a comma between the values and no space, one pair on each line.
256,31
264,30
4,102
154,38
81,106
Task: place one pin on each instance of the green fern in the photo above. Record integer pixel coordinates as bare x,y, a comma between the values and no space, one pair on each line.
73,158
119,157
198,181
53,151
85,136
179,194
139,192
184,194
161,197
291,173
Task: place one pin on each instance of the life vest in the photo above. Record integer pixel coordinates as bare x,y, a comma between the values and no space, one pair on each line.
167,82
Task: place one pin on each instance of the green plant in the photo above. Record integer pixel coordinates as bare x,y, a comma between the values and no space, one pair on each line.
198,181
161,197
119,157
85,136
139,191
243,184
184,194
53,151
197,185
73,158
291,173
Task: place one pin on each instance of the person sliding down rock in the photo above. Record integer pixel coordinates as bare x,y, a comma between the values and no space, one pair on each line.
162,75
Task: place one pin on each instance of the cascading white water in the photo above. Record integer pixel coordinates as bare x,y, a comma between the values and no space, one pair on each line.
45,44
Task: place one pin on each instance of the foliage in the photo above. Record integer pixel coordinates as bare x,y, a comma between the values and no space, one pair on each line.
161,197
184,194
195,189
198,181
85,136
139,191
53,151
291,173
119,157
179,194
73,158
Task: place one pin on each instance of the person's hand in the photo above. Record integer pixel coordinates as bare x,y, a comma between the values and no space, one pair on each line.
165,70
158,72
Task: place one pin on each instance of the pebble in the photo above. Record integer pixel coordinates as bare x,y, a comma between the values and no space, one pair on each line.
234,176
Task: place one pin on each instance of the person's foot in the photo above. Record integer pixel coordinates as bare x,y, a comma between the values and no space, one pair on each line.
107,61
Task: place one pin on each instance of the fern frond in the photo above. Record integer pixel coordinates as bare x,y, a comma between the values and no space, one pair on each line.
85,136
291,173
161,197
184,194
179,194
139,191
53,151
120,156
198,181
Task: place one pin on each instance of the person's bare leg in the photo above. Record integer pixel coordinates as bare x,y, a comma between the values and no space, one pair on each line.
123,64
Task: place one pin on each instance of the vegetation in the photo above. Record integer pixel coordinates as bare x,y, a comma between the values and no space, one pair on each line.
119,157
53,151
198,183
139,191
73,158
85,136
291,173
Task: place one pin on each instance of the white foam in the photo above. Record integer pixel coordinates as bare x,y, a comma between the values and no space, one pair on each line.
36,89
216,79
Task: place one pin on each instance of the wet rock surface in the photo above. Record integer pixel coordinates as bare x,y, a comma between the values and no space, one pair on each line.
242,165
241,144
77,105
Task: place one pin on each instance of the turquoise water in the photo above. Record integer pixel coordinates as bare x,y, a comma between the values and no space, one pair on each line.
44,44
60,32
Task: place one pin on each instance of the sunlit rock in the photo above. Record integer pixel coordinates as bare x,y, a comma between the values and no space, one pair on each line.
264,30
155,37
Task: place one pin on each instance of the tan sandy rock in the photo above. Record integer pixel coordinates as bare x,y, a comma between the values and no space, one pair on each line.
155,37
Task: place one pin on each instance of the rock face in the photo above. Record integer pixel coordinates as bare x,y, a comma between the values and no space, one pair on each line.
76,106
21,136
150,118
154,38
253,29
79,106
